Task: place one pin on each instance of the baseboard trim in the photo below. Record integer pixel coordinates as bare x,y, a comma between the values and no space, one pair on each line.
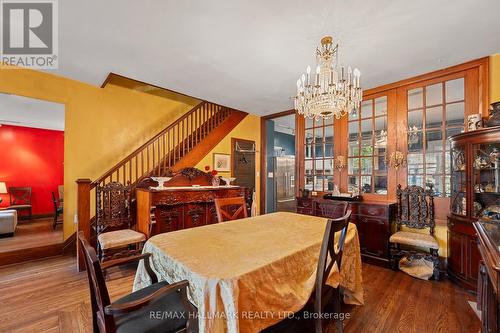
22,255
69,245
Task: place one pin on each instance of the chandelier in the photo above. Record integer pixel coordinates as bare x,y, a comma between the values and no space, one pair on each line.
333,91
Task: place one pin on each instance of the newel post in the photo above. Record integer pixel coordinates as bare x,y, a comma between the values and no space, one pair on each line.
83,214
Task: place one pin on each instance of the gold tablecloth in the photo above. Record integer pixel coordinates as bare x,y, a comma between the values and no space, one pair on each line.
248,274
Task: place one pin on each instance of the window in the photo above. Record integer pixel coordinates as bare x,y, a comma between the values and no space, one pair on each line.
435,112
319,155
367,144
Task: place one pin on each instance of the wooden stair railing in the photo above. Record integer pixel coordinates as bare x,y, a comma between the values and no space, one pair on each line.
156,157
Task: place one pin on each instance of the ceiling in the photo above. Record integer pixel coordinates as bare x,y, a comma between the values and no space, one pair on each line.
285,124
248,54
30,112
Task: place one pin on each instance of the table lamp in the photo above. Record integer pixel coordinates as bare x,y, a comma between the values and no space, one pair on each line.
3,189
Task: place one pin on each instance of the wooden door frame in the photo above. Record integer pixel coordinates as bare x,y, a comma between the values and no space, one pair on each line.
263,154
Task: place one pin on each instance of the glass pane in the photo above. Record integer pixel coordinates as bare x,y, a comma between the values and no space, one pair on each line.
415,141
319,182
434,163
353,114
447,185
414,179
434,117
415,119
318,151
318,135
328,122
415,98
329,167
308,165
380,184
329,134
366,165
309,151
380,106
435,182
309,123
328,150
353,131
367,109
455,90
352,183
318,167
434,94
380,124
415,164
455,114
447,162
366,184
366,128
329,183
453,131
309,136
353,148
366,148
379,164
434,141
309,183
353,166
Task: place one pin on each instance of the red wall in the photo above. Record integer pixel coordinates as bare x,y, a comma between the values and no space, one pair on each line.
32,157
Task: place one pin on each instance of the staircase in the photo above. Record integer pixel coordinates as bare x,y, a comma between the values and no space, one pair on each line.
183,143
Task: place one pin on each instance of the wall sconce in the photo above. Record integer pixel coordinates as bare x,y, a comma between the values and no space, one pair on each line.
397,159
340,163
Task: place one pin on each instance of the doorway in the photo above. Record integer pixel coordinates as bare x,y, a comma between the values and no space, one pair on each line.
31,178
280,169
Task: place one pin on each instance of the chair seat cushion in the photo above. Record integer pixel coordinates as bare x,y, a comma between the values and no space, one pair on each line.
119,238
18,206
414,239
167,314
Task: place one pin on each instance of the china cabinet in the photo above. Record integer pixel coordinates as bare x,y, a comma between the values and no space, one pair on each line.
475,193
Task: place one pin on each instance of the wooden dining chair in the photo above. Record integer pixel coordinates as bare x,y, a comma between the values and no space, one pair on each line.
229,209
132,313
333,209
58,210
20,200
330,254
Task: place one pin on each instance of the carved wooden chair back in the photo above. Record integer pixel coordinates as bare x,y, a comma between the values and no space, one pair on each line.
415,208
329,255
99,295
113,207
229,209
20,195
333,209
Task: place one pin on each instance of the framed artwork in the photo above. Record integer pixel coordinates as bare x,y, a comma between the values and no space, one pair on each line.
222,162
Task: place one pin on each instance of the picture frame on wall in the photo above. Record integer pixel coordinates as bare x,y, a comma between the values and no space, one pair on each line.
222,162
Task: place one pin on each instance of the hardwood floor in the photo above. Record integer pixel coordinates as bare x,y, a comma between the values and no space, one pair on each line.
33,239
49,295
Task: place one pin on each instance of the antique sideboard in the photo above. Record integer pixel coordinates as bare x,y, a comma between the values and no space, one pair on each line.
180,205
372,219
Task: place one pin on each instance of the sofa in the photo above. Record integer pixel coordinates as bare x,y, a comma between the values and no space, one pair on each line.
8,222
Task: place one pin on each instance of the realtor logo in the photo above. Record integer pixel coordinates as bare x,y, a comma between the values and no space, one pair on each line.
29,33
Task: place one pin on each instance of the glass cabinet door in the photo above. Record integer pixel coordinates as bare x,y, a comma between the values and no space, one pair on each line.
486,180
458,181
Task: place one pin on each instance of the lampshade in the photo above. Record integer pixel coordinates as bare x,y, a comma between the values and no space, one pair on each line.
3,188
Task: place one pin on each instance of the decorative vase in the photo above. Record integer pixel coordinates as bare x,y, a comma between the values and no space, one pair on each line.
215,181
494,119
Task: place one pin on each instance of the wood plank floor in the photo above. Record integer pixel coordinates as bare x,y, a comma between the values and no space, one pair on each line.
50,296
33,239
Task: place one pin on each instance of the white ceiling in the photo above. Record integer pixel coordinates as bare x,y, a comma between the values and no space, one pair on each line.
285,124
30,112
248,54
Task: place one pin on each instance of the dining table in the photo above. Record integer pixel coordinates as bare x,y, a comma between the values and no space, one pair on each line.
248,274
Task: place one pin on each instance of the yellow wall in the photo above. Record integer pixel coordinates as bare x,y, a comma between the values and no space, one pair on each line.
102,125
495,78
248,129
